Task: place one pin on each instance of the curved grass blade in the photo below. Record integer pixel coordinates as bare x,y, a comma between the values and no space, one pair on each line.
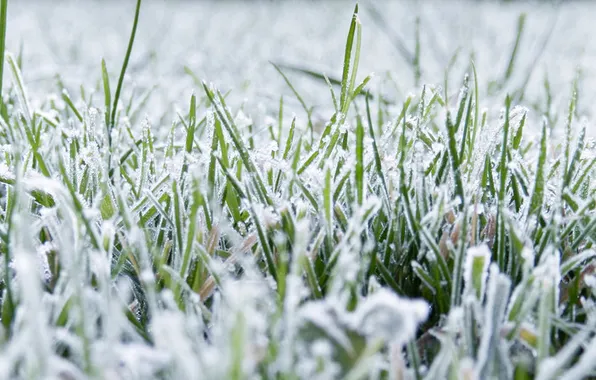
123,70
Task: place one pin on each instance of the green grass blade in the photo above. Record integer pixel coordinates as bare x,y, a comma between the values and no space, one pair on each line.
521,22
377,157
575,158
125,64
359,160
68,101
568,132
539,181
107,95
20,89
345,78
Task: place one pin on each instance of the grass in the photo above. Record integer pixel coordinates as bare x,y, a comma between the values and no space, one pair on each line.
434,241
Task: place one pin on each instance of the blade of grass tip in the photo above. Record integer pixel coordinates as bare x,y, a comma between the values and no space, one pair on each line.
517,139
289,139
358,90
356,60
125,64
521,21
144,161
286,152
20,88
465,91
539,181
332,92
348,81
476,111
343,99
3,16
68,101
575,158
107,97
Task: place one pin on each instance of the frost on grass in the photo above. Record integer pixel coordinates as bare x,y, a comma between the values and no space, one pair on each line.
335,339
236,243
476,269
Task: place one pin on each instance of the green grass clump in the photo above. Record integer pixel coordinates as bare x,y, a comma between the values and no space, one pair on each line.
434,241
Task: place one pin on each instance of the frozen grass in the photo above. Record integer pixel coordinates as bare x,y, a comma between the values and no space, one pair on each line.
410,239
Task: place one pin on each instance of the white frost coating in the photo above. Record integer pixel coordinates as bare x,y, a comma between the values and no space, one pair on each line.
385,315
490,357
480,253
528,256
590,281
548,272
317,362
42,255
182,346
5,173
321,314
242,120
551,367
585,365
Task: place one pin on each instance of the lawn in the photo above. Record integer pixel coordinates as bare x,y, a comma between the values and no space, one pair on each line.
432,222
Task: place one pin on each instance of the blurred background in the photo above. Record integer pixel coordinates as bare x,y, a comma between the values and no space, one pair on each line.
231,43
